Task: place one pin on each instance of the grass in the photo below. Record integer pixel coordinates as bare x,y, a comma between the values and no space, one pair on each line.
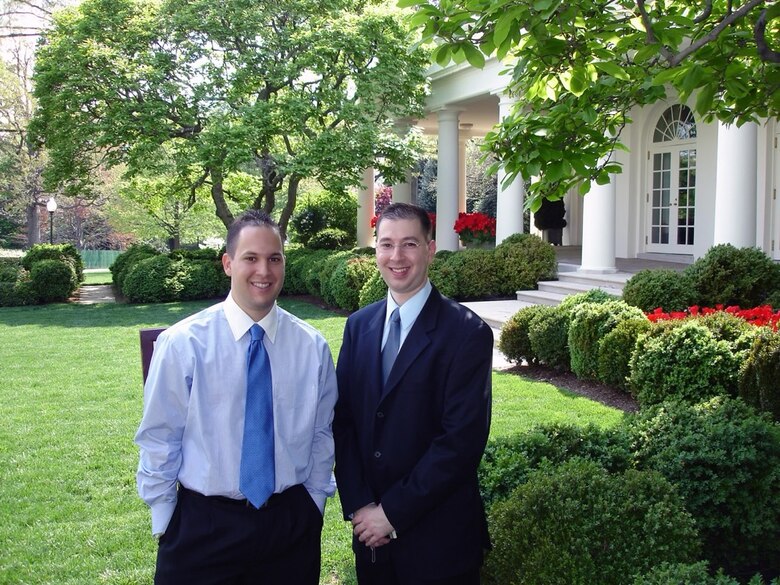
98,276
70,402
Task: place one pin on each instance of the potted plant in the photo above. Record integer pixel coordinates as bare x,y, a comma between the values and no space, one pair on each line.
476,229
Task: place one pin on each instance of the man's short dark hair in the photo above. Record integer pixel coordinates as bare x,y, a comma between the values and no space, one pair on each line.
407,211
252,217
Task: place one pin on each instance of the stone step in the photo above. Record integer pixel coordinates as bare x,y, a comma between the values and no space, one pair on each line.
597,280
540,297
570,288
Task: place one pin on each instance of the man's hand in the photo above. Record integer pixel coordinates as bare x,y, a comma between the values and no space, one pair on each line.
371,526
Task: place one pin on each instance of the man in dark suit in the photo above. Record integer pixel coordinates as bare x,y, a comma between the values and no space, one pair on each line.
408,447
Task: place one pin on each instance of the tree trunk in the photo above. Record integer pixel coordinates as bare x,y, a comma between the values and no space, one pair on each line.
289,207
33,224
218,195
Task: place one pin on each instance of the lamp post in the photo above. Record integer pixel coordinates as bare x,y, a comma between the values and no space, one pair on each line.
52,207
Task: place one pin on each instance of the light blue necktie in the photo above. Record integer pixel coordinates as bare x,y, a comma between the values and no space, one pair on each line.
392,344
257,478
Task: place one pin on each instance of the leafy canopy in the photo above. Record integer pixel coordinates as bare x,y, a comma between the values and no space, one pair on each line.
578,68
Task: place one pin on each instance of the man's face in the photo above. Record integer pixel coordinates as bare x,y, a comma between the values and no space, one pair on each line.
256,270
403,255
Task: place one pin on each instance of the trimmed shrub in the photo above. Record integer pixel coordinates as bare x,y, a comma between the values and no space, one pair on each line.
18,293
348,279
294,257
310,271
373,290
52,281
594,295
759,378
319,211
152,280
686,574
331,239
507,461
616,349
513,341
665,288
588,325
200,279
724,459
577,523
200,254
125,262
727,276
10,270
548,333
476,272
685,362
523,260
325,270
443,274
725,326
64,252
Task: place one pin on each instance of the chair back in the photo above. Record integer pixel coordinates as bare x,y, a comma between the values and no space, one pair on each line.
148,337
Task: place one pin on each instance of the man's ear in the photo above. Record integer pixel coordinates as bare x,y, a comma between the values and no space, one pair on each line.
226,263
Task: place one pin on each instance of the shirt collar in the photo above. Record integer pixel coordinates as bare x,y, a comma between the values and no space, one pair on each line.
240,322
411,308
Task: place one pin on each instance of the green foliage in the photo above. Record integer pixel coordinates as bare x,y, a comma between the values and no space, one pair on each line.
508,460
52,280
10,270
324,210
548,333
309,269
125,262
759,378
686,574
659,287
514,342
63,252
588,325
151,280
201,279
306,223
295,257
685,362
724,460
19,292
348,279
324,272
728,276
443,274
523,260
594,295
477,274
616,349
373,290
577,523
331,239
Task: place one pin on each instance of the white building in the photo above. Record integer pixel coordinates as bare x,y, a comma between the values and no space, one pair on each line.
685,185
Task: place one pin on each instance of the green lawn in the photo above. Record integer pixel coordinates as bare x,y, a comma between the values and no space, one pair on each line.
70,402
98,277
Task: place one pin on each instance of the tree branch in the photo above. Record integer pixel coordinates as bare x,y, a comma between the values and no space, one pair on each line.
759,34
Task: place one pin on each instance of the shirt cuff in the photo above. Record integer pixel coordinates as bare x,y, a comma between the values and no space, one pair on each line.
161,516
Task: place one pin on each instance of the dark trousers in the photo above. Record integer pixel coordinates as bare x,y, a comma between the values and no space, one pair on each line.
387,574
216,541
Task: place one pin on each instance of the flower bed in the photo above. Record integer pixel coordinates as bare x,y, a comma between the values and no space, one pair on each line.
763,316
475,228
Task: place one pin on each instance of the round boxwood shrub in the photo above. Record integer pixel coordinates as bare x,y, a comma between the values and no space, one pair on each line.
65,252
684,362
152,280
725,326
686,574
508,460
616,349
294,255
513,341
594,295
124,263
18,293
443,274
724,459
523,260
548,333
759,378
331,239
577,523
728,276
200,279
659,287
476,272
52,281
347,281
373,290
589,323
310,267
326,269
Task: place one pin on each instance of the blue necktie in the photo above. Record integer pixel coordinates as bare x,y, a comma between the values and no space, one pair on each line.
392,344
257,478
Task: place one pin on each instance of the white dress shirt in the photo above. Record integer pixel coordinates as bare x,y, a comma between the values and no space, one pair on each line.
408,312
194,397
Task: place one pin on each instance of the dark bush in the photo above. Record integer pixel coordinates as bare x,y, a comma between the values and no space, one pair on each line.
309,270
443,274
64,252
588,325
616,349
306,223
18,293
373,290
200,279
523,260
514,342
125,262
727,276
294,258
321,211
348,279
201,254
659,287
759,378
152,280
548,334
326,269
52,280
331,239
476,273
686,574
10,270
684,362
724,459
507,461
577,523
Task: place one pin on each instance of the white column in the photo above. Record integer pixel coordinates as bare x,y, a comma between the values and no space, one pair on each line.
598,228
736,185
365,233
447,181
462,186
510,198
402,192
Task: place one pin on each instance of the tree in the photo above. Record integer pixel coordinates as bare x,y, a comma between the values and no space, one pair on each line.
280,90
578,68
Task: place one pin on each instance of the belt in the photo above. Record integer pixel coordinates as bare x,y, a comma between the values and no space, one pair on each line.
270,502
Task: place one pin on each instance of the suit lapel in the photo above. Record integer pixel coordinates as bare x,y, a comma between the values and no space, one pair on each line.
418,339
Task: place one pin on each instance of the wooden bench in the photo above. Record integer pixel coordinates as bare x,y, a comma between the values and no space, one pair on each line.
148,337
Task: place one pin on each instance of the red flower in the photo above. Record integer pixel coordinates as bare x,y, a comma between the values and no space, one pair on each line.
758,316
475,227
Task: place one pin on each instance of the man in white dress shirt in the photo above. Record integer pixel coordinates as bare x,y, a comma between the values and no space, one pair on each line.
191,434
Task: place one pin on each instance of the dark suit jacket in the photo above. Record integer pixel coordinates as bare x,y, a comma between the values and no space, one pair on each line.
415,445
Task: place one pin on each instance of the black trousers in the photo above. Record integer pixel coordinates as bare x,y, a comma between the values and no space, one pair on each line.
386,573
217,541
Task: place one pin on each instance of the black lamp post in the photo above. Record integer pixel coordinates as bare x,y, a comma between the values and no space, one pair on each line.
52,207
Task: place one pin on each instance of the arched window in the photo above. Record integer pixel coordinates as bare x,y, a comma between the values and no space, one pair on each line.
676,123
